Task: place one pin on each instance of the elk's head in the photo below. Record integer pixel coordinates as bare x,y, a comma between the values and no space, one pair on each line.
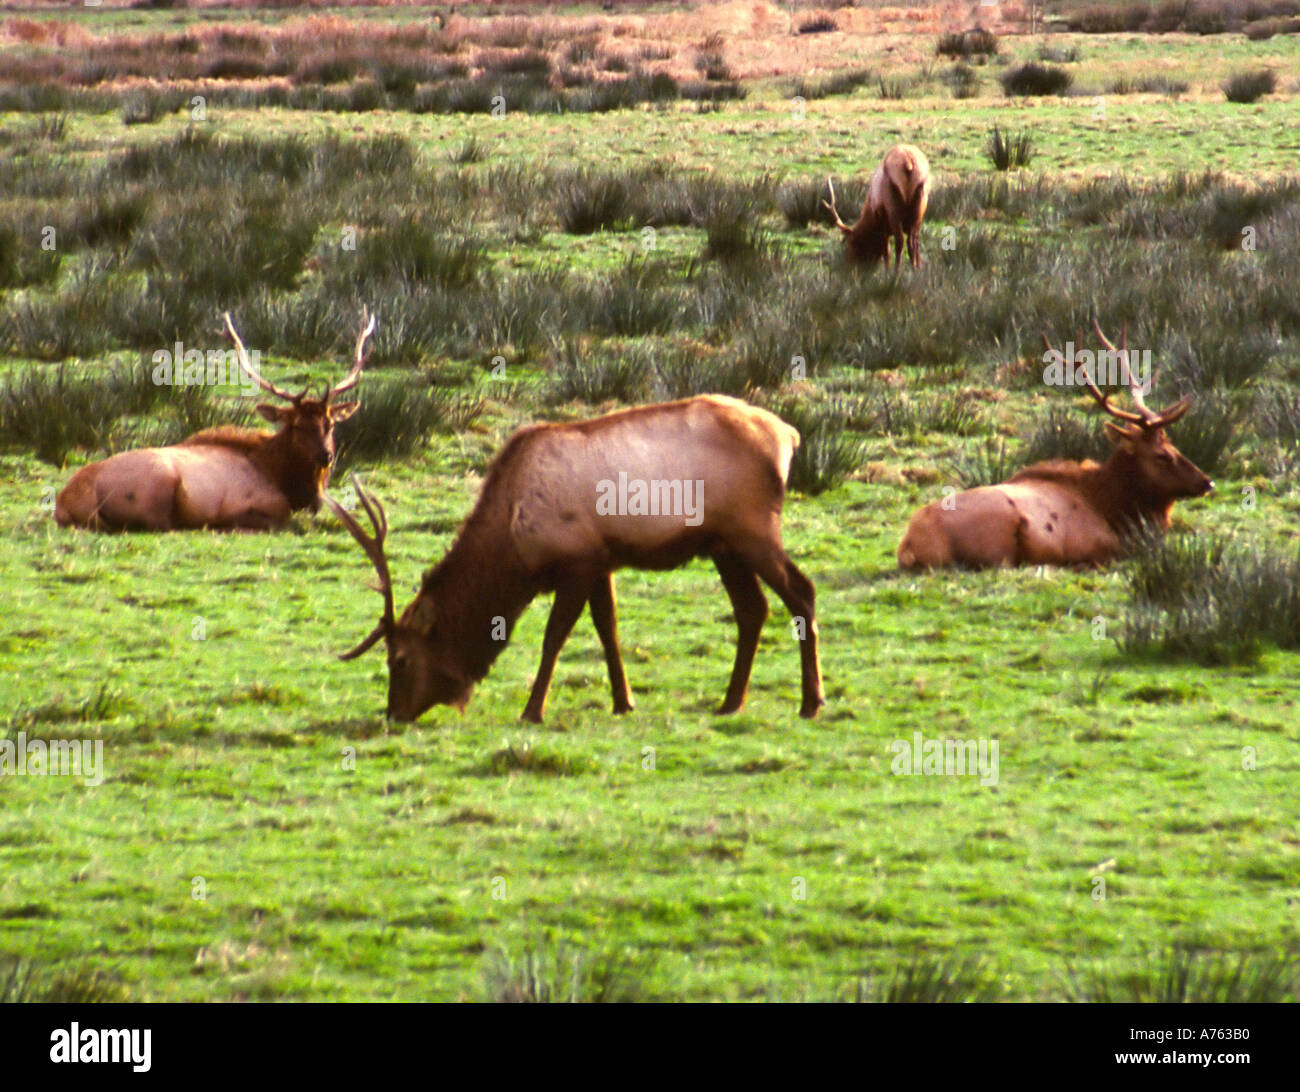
867,241
1160,472
421,671
306,423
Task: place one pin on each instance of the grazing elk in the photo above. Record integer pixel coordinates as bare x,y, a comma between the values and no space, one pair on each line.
1063,512
562,507
226,478
894,208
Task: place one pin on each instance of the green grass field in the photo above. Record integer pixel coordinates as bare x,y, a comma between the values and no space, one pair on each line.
261,832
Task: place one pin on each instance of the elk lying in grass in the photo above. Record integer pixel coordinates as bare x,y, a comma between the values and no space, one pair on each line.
894,208
1063,512
225,478
550,517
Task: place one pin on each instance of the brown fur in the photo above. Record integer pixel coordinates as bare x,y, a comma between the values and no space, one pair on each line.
894,208
520,541
1065,513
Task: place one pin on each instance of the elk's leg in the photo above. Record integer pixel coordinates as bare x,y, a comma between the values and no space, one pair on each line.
570,598
781,574
914,246
750,607
603,614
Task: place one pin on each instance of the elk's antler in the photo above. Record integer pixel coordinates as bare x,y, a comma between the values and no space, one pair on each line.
1151,419
830,205
242,354
350,380
1102,399
373,545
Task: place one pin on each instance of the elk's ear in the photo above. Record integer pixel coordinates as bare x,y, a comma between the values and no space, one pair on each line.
1123,436
421,615
343,411
274,414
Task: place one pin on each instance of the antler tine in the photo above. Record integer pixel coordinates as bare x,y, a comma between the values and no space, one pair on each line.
1102,400
351,379
830,205
1136,390
374,549
242,355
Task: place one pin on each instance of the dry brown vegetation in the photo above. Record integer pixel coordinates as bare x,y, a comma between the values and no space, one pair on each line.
751,39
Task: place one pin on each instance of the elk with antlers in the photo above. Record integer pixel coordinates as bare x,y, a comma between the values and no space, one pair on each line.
894,208
541,524
1063,512
225,478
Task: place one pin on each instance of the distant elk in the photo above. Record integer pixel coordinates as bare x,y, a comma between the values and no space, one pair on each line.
561,508
895,206
225,478
1063,512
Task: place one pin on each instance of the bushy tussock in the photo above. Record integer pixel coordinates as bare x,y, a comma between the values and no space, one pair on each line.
967,43
397,416
1247,87
1209,600
542,974
1011,150
1183,975
1036,79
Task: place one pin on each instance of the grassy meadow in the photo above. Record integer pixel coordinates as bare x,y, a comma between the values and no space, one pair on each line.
262,833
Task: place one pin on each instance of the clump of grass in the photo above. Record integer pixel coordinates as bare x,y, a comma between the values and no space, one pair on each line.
1035,79
1204,600
51,127
397,415
24,981
1058,54
565,975
963,79
828,453
1185,975
710,61
468,151
927,979
528,758
985,464
1065,434
54,412
621,376
146,108
1012,150
896,87
818,22
587,201
967,43
838,83
1209,434
1247,87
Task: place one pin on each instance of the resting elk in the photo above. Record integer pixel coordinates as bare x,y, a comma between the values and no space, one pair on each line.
562,507
894,208
1063,512
226,478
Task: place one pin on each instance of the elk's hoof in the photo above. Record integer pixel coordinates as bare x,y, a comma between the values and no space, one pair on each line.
809,710
621,707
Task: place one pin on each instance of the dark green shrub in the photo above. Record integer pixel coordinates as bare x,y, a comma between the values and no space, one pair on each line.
1035,79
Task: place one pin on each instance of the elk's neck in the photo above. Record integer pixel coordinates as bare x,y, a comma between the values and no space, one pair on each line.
477,593
300,480
1118,491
